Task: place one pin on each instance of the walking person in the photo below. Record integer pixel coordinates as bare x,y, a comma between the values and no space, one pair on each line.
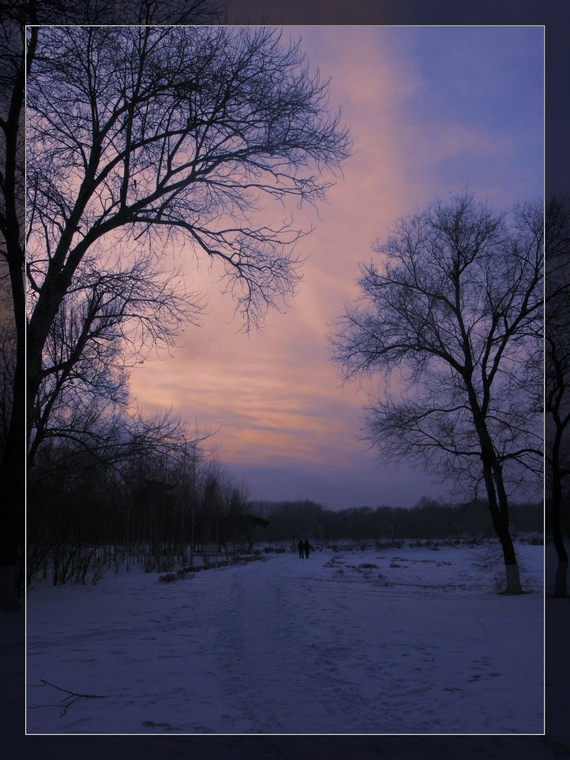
307,547
301,548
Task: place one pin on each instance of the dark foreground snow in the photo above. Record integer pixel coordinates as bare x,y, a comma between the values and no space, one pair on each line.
394,641
418,643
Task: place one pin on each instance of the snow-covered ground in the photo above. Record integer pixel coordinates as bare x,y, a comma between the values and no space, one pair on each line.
391,641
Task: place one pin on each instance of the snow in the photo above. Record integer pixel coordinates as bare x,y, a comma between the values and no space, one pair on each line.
397,640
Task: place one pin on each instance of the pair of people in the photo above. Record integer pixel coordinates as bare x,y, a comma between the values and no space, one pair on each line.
304,549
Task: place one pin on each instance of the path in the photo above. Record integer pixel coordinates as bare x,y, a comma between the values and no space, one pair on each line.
285,646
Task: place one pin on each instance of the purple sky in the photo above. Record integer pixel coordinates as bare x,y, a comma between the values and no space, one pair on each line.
431,111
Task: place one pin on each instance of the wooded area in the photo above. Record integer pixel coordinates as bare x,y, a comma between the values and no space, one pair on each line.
183,509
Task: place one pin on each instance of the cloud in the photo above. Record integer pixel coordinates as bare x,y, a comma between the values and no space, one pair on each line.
277,395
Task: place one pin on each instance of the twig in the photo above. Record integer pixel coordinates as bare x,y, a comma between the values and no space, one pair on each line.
72,696
483,627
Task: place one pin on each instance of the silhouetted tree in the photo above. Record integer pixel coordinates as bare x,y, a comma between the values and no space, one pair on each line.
453,322
108,322
16,60
12,466
145,137
557,396
115,486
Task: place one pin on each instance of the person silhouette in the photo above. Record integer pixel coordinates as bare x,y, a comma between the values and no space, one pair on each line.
307,547
301,547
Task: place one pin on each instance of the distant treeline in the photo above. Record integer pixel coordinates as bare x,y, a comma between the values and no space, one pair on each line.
429,519
85,517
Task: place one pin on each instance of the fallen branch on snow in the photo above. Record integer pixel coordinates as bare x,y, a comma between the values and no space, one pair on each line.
70,699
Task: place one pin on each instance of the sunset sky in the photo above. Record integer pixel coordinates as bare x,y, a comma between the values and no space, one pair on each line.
431,111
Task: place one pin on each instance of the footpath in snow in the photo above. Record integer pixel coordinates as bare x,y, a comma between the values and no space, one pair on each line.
383,641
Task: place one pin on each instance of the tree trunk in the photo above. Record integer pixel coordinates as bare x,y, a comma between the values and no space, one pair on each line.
560,583
513,579
498,506
511,566
8,587
496,494
13,466
12,488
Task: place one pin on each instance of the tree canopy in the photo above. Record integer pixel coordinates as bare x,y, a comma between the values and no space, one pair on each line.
140,139
143,138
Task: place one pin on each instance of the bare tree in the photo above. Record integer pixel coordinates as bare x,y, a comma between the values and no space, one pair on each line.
12,466
108,321
149,131
146,137
17,60
557,398
97,492
453,325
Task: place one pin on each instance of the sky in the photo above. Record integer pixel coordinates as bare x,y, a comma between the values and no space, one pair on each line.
431,110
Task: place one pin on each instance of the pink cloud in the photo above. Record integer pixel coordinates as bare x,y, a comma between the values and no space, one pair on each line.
277,395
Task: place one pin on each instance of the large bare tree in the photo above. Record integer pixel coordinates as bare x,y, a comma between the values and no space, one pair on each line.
16,61
147,131
452,323
141,138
